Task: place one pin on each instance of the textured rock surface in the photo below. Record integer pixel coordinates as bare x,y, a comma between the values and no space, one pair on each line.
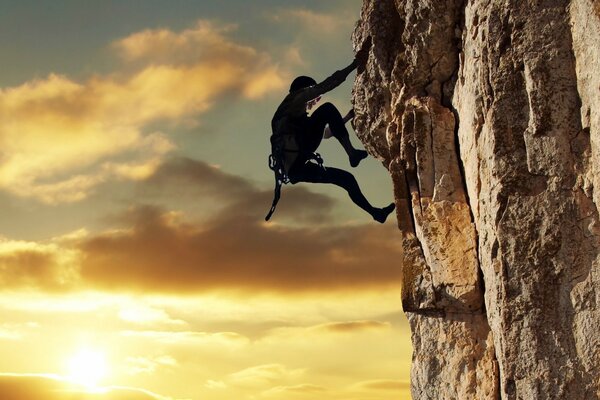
487,115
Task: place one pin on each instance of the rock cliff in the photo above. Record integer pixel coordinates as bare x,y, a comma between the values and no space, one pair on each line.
487,115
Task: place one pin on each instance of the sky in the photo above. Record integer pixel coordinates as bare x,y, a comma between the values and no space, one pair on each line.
135,262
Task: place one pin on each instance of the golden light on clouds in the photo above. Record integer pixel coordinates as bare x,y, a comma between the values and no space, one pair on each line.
62,138
205,40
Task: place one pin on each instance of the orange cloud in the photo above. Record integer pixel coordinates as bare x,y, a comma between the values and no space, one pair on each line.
54,130
60,139
351,326
205,40
348,328
238,252
34,265
204,43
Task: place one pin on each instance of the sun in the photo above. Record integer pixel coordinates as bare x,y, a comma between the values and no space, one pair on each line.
87,368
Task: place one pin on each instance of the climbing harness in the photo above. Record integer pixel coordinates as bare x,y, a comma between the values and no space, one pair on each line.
276,164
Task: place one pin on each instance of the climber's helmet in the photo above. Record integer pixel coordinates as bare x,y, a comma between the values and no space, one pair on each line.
302,82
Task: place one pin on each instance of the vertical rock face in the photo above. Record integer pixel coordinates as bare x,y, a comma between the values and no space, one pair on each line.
487,115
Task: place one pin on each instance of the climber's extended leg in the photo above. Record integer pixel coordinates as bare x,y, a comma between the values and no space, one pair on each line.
328,114
311,172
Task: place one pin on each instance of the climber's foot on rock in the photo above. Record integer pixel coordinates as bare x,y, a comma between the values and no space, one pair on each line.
381,214
357,156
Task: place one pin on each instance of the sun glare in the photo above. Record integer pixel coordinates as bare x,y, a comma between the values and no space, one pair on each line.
87,368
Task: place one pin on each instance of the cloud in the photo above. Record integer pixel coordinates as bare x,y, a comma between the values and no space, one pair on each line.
292,55
315,35
320,331
263,375
351,326
208,339
60,138
383,384
204,41
16,331
312,21
148,365
202,44
237,251
49,387
196,178
36,265
301,389
139,313
158,250
181,176
211,384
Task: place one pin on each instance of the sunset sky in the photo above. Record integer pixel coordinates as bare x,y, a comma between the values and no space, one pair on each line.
135,262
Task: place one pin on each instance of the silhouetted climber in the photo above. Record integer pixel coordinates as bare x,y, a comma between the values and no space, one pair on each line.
296,137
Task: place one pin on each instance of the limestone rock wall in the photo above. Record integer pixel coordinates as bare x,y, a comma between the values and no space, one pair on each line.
487,115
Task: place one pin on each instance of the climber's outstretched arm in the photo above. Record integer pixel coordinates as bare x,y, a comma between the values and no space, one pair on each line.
312,92
338,77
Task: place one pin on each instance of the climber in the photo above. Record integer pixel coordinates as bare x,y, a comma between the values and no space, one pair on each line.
296,137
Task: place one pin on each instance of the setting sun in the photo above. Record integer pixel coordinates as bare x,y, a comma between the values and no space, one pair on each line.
87,368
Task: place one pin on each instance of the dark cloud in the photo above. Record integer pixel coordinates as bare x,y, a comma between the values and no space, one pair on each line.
237,196
237,251
37,387
187,176
156,250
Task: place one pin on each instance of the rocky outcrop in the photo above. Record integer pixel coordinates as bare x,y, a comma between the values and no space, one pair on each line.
487,115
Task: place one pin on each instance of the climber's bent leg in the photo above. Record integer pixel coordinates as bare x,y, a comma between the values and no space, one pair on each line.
312,173
328,114
309,140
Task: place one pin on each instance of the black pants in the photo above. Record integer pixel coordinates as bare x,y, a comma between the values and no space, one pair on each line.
307,171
